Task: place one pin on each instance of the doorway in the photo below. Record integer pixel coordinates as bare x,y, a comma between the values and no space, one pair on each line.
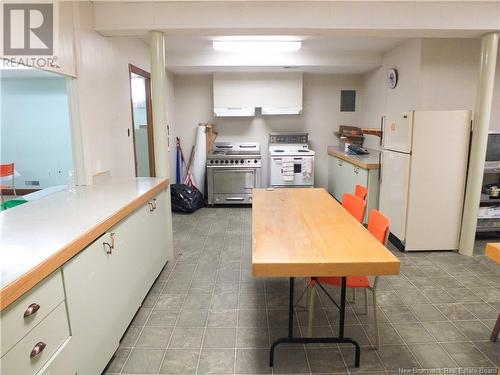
142,122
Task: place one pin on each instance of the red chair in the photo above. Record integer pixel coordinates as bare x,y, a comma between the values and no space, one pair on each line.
378,225
7,170
361,192
356,206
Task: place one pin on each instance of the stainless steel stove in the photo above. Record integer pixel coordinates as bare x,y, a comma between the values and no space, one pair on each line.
233,170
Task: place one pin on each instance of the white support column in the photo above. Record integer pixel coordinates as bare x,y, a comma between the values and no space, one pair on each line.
482,113
160,130
158,97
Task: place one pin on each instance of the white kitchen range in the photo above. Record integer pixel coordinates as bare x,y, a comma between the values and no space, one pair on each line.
233,170
291,162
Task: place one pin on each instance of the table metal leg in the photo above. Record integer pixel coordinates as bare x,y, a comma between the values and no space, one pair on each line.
290,308
496,330
310,340
342,307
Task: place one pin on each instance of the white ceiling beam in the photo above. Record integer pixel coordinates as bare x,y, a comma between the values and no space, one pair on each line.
357,61
382,18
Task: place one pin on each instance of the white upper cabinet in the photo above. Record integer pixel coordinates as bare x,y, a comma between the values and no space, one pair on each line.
238,94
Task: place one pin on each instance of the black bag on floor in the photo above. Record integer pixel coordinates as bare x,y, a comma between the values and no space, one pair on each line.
186,199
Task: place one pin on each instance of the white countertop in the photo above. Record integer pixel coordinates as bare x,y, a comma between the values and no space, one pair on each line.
33,232
368,161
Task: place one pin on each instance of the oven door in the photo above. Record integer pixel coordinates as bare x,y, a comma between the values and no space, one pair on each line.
233,185
299,177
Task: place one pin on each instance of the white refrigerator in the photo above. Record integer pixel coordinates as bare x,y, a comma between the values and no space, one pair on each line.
423,171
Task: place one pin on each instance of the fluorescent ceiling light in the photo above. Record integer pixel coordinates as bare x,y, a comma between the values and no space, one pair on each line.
257,45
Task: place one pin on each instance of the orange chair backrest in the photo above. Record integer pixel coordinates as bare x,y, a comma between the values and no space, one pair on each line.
361,192
354,205
378,225
6,170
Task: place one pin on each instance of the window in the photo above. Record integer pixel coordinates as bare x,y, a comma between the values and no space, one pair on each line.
35,128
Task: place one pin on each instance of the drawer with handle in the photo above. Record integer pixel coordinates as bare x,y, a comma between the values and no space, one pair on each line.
61,362
29,310
36,348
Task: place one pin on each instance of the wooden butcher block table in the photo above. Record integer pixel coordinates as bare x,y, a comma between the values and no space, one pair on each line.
307,233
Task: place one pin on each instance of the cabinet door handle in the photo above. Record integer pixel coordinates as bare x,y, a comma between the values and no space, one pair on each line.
33,308
109,250
37,349
111,245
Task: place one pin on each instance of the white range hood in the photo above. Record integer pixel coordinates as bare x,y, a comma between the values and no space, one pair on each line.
234,111
238,94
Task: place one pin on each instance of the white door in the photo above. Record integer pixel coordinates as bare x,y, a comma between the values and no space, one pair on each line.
397,131
337,178
394,190
93,298
331,174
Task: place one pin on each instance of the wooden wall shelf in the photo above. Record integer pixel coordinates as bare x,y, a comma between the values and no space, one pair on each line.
372,131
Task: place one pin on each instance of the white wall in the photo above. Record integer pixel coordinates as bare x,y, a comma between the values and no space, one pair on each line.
104,95
434,74
377,98
321,117
193,105
100,91
450,73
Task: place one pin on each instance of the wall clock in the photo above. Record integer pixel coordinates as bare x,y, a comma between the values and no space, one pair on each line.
392,78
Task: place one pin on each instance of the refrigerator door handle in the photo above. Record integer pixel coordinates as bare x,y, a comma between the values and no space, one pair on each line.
380,168
382,127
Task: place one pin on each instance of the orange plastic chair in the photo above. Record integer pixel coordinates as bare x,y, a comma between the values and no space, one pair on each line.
7,170
361,192
378,226
356,206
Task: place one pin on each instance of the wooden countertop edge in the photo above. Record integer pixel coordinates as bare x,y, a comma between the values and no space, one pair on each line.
303,270
354,161
11,292
492,251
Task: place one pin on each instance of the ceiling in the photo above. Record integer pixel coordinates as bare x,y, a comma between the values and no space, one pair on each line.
338,36
319,54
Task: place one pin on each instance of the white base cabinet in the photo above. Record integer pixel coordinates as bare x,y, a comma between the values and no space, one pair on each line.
35,329
344,176
107,282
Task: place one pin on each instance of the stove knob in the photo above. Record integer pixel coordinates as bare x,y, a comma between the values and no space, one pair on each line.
226,161
232,161
216,162
242,161
211,161
255,161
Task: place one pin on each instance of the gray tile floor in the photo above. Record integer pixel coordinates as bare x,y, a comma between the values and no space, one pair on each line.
206,314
